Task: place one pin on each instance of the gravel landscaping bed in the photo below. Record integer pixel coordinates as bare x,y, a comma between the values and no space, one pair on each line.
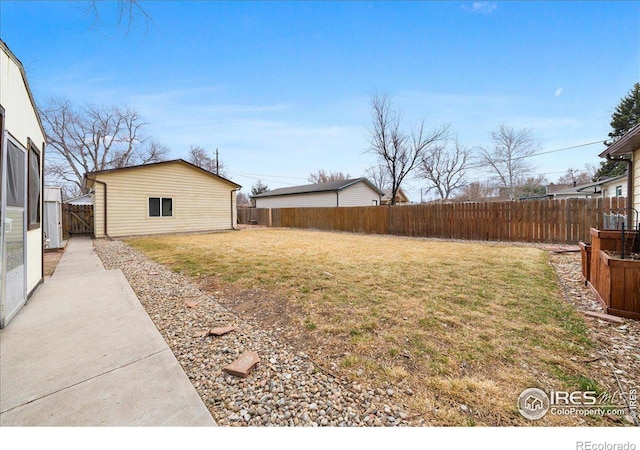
287,388
619,344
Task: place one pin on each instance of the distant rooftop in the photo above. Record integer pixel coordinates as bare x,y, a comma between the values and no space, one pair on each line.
331,186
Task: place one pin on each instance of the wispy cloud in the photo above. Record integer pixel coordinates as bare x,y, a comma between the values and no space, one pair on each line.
480,7
558,92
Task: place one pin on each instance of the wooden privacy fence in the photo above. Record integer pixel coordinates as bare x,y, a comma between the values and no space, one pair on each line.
555,221
77,220
253,216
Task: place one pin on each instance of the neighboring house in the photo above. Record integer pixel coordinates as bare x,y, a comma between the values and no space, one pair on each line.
352,192
401,197
610,187
159,198
22,142
82,200
52,217
561,191
628,147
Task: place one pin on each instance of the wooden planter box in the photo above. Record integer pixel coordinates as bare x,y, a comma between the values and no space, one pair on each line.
615,281
585,254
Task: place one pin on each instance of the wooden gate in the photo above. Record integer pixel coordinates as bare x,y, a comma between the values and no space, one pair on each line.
77,220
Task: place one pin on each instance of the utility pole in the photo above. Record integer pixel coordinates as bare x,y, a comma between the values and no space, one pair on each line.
217,166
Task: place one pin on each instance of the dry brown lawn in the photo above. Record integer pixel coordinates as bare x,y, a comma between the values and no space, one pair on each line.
457,329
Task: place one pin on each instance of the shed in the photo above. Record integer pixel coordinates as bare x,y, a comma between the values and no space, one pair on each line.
161,198
52,217
352,192
22,142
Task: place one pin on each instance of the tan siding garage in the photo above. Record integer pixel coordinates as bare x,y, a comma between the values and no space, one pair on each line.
167,197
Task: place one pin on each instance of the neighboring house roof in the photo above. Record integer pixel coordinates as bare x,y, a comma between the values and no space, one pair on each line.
331,186
595,185
400,196
581,190
172,161
86,199
553,188
560,190
624,145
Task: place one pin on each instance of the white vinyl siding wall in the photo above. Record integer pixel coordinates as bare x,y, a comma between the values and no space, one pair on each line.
359,194
609,189
21,121
200,201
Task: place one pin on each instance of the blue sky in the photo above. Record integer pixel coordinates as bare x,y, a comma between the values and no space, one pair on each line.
282,88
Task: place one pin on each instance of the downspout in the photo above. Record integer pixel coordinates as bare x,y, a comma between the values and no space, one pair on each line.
629,162
337,198
105,206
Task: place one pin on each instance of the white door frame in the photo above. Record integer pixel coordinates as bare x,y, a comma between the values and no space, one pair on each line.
6,315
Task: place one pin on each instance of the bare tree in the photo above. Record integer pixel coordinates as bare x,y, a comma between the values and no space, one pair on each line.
532,187
445,167
575,177
128,12
476,191
400,153
379,176
242,199
93,138
507,158
321,176
201,158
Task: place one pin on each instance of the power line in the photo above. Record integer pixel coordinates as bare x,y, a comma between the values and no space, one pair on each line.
263,175
563,149
262,178
270,178
478,165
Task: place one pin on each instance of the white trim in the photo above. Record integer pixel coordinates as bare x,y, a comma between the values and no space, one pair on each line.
161,216
5,316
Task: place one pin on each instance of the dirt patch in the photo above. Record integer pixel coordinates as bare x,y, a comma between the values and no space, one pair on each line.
265,309
257,305
51,260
